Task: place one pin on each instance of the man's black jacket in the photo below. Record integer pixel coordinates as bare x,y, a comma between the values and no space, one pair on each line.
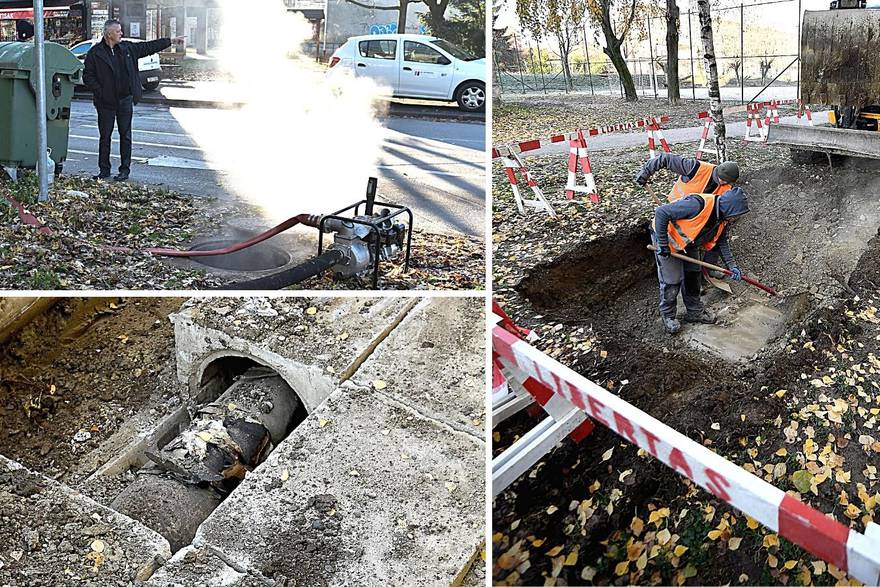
100,74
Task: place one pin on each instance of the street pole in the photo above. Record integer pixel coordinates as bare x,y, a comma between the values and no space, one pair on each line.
691,44
651,52
42,140
742,57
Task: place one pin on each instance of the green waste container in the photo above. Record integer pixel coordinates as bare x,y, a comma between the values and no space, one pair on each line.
18,102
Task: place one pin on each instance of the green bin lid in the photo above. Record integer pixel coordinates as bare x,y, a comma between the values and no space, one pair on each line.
21,57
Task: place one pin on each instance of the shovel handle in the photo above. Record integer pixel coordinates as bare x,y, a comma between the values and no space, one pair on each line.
748,280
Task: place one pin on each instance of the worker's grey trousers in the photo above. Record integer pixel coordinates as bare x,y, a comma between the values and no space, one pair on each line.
673,274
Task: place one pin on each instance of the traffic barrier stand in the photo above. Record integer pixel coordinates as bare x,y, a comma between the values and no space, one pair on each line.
754,114
804,109
654,133
855,553
772,111
520,392
577,154
513,164
705,135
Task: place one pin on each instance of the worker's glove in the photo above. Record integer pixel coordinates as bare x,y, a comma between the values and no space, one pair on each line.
735,273
663,251
641,179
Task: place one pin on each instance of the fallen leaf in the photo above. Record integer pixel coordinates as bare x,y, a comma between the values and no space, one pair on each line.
285,475
802,480
680,550
621,568
554,551
571,559
312,311
607,454
734,543
98,546
379,384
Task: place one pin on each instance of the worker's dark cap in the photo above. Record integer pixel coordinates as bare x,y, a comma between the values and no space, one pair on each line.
728,172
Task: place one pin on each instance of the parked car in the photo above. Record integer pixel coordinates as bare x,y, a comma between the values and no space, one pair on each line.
149,67
416,66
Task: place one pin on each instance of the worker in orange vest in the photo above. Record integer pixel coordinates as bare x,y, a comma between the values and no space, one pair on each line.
703,204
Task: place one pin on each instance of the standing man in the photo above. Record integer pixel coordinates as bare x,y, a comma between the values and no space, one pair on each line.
112,76
703,204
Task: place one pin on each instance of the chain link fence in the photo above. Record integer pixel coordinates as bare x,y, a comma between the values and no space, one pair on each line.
756,46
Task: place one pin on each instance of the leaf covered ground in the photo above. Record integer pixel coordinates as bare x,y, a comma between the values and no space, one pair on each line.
802,413
91,221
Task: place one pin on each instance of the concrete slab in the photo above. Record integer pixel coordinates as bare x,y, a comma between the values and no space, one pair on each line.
52,535
310,342
365,492
201,566
443,337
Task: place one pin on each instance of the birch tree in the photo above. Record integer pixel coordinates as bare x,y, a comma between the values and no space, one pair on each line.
711,67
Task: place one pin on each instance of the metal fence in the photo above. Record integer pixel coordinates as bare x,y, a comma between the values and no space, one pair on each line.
756,45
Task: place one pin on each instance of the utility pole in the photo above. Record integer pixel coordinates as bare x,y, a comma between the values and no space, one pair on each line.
42,140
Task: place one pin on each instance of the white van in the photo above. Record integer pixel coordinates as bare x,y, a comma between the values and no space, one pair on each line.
416,66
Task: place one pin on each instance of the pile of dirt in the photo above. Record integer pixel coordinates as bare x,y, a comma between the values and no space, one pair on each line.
588,288
76,373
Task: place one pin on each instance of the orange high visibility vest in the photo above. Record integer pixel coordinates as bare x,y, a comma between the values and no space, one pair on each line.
682,233
697,184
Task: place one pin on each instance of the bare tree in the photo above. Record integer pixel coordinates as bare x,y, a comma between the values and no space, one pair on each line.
604,13
560,19
735,65
671,69
711,66
766,64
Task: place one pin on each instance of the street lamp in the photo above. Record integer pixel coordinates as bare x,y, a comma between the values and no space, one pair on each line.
42,140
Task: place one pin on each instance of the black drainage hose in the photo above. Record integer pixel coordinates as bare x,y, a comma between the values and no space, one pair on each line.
287,277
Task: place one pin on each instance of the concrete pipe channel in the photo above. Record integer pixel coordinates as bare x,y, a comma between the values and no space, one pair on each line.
186,478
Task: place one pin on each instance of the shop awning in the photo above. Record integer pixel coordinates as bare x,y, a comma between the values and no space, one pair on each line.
17,9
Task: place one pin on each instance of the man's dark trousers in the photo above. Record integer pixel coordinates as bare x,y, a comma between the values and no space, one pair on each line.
122,117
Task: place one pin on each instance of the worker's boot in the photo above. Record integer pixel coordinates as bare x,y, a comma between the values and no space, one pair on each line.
703,317
670,325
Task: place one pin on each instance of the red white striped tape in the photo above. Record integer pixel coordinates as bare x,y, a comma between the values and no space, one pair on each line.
535,144
858,554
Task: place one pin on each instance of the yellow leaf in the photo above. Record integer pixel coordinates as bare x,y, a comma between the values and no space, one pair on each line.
379,384
552,509
642,562
751,522
679,550
285,475
205,435
571,559
714,534
497,536
663,536
322,422
734,542
554,551
852,511
782,452
621,568
772,561
789,564
537,542
637,525
819,567
658,515
771,540
312,311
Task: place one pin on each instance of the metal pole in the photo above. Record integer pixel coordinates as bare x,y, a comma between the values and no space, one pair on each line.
651,53
691,43
589,67
42,140
522,80
742,57
541,66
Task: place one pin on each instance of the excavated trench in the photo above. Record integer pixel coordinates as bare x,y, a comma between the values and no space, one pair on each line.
803,238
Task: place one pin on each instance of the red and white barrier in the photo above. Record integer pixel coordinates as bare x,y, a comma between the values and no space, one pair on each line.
856,553
513,164
535,144
772,112
578,155
654,133
707,122
804,109
754,115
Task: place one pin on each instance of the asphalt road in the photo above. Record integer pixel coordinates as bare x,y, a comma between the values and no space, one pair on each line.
437,168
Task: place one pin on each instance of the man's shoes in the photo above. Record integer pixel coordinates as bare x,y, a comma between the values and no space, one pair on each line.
670,325
120,177
102,175
703,317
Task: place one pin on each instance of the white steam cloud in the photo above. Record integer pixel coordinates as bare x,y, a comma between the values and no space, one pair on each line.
303,143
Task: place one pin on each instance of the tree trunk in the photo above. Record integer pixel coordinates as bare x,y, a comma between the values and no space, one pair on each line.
401,16
626,80
672,85
566,68
711,66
